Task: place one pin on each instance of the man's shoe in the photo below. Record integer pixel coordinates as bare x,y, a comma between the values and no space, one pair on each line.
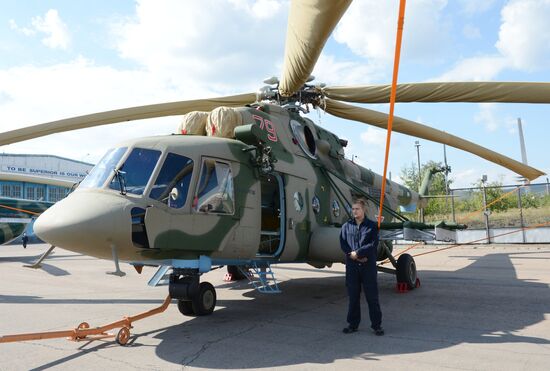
349,330
379,331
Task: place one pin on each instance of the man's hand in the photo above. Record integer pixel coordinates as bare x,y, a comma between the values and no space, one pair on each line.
354,256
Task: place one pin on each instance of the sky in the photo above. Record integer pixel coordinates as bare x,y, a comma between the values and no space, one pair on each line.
63,58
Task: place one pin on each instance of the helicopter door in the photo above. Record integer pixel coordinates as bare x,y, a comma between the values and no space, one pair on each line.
272,235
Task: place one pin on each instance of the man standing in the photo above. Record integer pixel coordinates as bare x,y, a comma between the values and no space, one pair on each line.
25,240
359,241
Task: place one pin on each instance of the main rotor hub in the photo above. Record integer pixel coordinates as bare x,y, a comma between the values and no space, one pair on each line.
308,95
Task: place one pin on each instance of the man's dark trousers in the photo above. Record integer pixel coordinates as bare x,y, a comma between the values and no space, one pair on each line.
365,275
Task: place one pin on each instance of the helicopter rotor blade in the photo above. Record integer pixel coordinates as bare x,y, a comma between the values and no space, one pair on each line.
412,128
310,23
504,92
123,115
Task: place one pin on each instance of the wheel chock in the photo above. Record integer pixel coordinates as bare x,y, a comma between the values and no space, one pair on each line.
228,277
417,284
402,287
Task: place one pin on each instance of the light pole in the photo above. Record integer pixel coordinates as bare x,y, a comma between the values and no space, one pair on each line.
486,211
417,145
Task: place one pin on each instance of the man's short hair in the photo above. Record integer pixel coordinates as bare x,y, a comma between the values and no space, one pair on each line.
360,201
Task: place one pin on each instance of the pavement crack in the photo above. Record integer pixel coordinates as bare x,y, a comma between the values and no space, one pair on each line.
193,357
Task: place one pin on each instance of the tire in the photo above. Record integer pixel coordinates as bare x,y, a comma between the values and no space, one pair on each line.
406,271
186,307
205,302
235,272
123,336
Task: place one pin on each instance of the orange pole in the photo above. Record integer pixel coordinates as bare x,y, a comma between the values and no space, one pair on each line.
22,210
400,22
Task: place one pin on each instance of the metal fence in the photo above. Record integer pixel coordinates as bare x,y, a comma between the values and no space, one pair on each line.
493,208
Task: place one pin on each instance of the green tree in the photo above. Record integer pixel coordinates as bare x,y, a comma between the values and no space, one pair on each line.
436,206
409,175
494,192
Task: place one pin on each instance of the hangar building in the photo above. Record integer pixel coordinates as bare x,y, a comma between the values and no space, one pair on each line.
18,169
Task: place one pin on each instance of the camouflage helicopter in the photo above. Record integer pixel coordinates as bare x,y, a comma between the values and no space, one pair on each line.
265,186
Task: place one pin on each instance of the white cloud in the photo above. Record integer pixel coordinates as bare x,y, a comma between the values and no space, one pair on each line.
24,30
332,71
523,44
374,137
524,36
368,28
56,31
241,42
258,8
487,116
480,68
471,7
42,94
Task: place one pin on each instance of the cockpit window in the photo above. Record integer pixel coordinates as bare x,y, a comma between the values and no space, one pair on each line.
136,171
172,183
215,188
103,169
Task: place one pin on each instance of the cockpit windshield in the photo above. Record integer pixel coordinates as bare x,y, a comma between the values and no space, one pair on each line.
104,168
136,171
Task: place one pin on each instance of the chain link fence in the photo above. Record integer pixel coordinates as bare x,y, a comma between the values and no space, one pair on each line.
491,208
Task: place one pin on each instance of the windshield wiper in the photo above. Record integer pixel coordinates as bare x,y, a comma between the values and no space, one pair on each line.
120,176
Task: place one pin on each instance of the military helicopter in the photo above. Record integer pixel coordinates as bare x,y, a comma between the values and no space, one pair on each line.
265,186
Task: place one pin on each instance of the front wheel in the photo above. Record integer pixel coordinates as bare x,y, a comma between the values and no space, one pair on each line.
406,271
185,307
205,301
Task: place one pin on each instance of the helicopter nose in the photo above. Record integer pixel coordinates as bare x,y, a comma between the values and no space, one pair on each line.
87,222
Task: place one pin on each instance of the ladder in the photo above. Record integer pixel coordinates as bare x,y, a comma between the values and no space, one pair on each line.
262,277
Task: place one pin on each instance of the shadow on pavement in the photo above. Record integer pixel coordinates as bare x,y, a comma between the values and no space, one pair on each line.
482,303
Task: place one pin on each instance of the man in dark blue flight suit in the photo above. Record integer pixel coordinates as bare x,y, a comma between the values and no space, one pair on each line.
359,241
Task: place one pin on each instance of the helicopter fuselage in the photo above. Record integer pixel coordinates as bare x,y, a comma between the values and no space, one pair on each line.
261,196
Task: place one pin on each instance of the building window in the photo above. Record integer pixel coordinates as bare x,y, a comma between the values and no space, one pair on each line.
12,190
17,191
40,193
57,193
5,190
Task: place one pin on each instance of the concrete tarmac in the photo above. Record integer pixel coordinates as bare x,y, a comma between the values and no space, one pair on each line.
479,308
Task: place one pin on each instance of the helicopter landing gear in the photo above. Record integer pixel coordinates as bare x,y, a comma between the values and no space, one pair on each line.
405,270
194,298
406,273
185,307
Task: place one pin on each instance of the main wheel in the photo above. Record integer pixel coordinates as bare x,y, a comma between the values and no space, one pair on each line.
205,301
235,272
406,271
185,307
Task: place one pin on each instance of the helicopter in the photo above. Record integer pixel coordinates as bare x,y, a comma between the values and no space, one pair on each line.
265,186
